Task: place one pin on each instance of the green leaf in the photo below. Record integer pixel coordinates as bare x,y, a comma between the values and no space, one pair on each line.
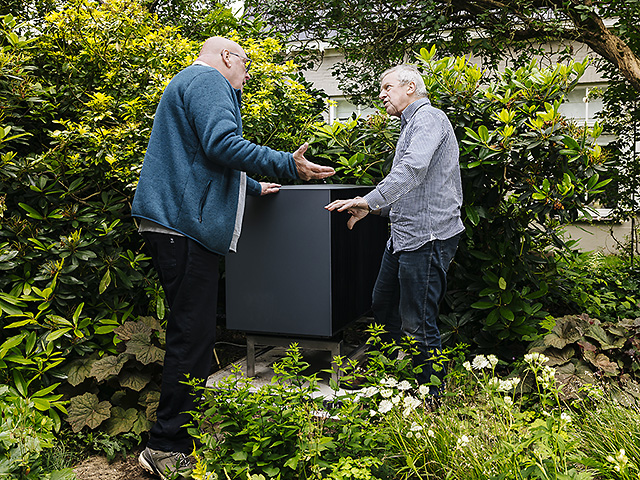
141,424
64,474
507,314
121,420
134,379
107,366
79,371
106,280
472,215
239,456
21,384
502,283
145,352
129,329
87,410
31,212
57,334
483,305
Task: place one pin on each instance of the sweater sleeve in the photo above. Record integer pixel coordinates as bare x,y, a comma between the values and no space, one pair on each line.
213,110
253,187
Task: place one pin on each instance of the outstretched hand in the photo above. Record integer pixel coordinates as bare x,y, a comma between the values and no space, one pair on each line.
357,207
308,170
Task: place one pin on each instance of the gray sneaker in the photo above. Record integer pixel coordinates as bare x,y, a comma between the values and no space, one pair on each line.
167,465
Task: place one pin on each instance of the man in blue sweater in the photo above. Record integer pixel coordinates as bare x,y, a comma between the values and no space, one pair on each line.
190,202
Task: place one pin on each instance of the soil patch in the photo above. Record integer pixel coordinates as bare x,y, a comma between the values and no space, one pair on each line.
99,468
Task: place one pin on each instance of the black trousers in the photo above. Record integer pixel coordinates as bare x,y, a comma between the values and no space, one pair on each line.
189,276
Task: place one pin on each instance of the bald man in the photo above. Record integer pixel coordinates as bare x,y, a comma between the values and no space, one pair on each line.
190,202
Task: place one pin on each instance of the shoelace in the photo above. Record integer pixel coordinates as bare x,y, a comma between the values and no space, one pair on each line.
182,459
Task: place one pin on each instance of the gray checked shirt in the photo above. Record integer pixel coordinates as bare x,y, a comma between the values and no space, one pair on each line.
422,194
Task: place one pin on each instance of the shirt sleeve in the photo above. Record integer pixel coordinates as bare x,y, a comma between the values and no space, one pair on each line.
424,135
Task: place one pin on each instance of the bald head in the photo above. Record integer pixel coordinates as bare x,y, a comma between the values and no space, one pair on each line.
227,57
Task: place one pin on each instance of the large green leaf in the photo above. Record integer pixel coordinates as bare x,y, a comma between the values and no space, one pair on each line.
121,420
134,379
129,329
79,370
108,365
87,410
140,345
141,424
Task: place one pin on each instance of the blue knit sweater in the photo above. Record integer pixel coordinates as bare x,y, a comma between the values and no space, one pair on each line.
190,178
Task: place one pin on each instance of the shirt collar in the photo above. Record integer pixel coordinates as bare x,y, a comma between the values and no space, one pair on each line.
411,109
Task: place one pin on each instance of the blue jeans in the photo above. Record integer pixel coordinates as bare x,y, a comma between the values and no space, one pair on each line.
407,296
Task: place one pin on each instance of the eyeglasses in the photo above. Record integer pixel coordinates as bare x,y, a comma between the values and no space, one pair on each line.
247,61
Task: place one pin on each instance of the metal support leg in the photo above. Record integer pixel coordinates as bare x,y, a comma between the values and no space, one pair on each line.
333,346
251,356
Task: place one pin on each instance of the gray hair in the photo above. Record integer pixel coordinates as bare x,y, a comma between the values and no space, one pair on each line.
406,74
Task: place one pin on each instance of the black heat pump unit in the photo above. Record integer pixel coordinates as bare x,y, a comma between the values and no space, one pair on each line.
299,272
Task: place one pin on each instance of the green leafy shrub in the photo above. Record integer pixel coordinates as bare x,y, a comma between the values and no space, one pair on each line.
76,282
585,351
283,430
130,379
25,432
361,149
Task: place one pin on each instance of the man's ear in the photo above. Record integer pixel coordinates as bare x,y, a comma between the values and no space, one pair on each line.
411,88
226,57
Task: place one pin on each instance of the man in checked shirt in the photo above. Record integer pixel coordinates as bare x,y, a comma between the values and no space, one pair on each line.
422,195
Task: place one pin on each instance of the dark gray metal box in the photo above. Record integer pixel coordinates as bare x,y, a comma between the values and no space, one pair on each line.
299,271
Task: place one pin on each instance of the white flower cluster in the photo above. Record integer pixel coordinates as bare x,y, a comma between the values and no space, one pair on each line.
463,441
536,359
391,399
415,431
620,461
500,385
481,362
547,376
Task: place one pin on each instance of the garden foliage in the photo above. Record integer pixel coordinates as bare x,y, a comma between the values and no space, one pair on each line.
77,288
82,311
526,172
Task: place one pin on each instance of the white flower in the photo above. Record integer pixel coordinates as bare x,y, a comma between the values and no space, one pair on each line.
406,412
547,376
404,385
389,382
411,402
480,362
372,413
508,401
508,385
431,433
535,359
415,427
409,434
396,400
418,435
369,391
385,406
493,360
386,392
463,441
467,366
494,382
423,390
565,417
